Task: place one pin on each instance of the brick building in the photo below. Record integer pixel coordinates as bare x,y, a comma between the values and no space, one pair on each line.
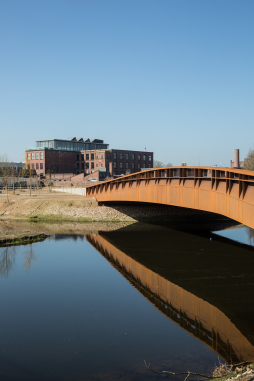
79,156
61,156
117,162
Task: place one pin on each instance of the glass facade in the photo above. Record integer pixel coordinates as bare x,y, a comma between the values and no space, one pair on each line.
66,145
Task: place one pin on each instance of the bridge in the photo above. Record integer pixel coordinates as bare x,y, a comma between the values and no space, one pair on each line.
198,317
225,191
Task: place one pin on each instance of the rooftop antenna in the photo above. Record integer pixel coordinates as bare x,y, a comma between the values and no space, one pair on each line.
145,148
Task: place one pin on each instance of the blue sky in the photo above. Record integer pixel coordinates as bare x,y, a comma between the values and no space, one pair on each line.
175,76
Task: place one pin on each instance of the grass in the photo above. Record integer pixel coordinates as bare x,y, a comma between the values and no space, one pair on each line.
23,240
58,217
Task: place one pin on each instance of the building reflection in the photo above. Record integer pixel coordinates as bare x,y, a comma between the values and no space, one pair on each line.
196,315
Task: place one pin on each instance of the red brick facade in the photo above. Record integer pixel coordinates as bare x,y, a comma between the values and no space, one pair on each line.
112,162
117,162
54,161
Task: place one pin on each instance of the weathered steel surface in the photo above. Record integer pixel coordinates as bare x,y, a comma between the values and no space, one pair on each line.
226,191
203,320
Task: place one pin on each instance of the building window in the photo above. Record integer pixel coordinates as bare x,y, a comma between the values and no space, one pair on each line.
101,156
92,165
139,157
144,157
121,156
96,165
97,157
41,165
77,165
82,166
114,155
144,165
150,165
37,155
150,157
92,156
101,165
37,165
28,156
138,165
133,156
114,164
41,155
32,156
133,165
121,165
87,156
87,165
127,165
33,166
77,157
127,156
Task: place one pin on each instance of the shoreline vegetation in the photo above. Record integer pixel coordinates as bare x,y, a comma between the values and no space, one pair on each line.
240,372
13,238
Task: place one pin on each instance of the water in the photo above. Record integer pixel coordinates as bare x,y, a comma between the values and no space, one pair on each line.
95,307
243,234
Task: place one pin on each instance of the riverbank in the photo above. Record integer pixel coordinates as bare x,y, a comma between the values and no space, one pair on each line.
10,237
234,373
61,207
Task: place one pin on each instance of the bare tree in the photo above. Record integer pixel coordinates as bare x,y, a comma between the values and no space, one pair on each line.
160,164
249,161
48,181
6,172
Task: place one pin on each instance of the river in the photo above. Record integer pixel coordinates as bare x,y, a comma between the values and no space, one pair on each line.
95,306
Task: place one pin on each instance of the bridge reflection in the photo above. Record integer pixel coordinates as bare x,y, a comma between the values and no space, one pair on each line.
200,318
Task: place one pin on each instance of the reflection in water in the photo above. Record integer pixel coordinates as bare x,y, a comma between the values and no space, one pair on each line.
202,319
7,260
243,234
29,256
250,233
73,317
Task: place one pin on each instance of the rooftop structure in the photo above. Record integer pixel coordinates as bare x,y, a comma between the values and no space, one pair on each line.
71,144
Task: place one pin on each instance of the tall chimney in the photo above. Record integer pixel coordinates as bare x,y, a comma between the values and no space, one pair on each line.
236,161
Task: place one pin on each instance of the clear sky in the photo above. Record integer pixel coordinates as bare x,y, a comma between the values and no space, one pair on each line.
176,76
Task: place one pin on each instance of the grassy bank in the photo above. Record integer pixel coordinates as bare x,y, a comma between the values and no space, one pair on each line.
10,238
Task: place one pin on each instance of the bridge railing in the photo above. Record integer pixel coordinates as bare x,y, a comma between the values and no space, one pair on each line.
214,174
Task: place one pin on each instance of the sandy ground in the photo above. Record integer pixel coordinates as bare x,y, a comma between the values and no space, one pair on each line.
21,204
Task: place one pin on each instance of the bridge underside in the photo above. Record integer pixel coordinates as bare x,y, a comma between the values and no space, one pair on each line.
226,192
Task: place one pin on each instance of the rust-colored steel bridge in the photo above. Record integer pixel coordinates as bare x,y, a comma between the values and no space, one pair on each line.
226,191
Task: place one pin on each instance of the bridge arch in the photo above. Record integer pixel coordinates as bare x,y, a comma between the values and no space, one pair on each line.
225,191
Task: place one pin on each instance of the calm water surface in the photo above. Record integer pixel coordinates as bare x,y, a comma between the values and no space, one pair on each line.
95,307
